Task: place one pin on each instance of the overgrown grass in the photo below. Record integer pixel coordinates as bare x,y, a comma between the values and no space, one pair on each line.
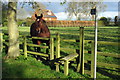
33,69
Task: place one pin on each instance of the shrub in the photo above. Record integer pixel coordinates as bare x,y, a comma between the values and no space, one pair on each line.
101,23
105,21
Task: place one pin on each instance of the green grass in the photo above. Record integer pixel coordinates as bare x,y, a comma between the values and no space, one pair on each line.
31,68
41,70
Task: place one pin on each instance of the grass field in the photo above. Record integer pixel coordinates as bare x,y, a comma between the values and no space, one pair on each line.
33,69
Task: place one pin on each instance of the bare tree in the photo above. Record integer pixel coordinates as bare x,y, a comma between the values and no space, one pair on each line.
82,9
31,5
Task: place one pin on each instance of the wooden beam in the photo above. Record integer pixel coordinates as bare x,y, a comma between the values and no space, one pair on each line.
25,47
34,45
70,57
51,48
57,50
36,53
57,45
92,59
80,67
66,67
40,38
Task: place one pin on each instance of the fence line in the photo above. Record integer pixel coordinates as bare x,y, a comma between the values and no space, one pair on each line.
58,39
59,23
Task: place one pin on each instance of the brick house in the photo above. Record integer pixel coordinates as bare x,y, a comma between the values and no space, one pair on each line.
47,14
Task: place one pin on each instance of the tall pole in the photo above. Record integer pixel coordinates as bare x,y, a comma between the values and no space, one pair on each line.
95,46
94,63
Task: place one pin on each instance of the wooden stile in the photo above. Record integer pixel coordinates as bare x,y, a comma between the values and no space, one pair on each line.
66,60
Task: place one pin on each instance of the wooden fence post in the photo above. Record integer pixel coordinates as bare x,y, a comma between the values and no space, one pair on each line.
25,47
57,50
92,59
1,41
80,67
51,48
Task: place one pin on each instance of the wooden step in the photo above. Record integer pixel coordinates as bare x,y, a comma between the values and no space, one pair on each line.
70,57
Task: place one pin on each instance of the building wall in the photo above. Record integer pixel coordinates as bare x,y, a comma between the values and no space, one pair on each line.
49,18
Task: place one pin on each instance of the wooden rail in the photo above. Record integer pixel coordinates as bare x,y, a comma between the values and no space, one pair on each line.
104,54
36,53
108,65
34,45
109,43
109,54
99,53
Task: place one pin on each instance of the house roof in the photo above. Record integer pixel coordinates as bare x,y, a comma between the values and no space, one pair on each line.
46,13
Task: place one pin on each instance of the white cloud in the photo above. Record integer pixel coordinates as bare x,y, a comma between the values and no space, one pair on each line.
64,16
108,14
61,15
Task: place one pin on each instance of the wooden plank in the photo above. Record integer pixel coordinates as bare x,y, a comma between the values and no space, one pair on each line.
57,50
57,45
75,40
1,42
70,57
36,53
21,50
60,62
80,67
70,40
40,38
25,47
35,45
57,68
69,34
74,50
108,65
51,48
109,43
109,54
69,49
92,59
66,67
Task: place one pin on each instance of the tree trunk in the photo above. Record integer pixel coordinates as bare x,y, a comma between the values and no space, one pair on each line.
13,50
